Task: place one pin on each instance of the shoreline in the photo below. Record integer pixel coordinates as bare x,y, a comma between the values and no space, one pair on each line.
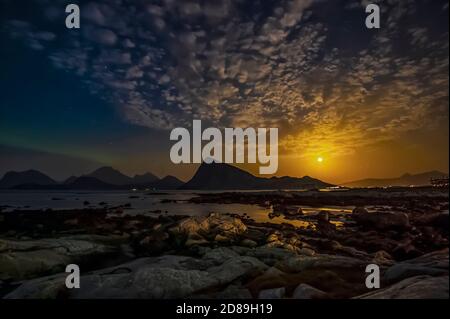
231,255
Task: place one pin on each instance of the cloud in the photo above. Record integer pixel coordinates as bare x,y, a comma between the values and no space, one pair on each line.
282,64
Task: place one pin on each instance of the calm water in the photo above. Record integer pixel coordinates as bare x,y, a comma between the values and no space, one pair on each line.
142,203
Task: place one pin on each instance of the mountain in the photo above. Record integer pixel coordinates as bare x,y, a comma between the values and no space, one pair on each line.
32,177
111,176
168,182
224,176
404,180
70,180
144,178
89,182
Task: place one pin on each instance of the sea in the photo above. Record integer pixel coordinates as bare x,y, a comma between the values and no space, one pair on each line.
172,202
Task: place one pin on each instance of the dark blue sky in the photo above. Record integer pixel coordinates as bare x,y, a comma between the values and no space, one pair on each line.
108,93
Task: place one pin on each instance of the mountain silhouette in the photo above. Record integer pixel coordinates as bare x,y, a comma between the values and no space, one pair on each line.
13,179
407,179
111,176
104,178
168,182
224,176
144,178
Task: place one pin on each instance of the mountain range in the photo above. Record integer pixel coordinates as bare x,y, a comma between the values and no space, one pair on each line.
421,179
215,176
224,176
208,176
104,178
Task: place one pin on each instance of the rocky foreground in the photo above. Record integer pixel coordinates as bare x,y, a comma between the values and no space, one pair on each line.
227,256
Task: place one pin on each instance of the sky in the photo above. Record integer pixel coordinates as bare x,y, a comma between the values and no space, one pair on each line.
368,102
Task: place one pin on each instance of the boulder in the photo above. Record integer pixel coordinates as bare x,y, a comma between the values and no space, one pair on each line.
32,258
249,243
381,220
305,291
157,277
209,226
275,293
432,264
418,287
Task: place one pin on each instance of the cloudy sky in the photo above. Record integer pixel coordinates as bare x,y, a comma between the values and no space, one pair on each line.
371,103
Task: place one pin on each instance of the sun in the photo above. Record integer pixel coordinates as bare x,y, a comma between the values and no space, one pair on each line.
320,159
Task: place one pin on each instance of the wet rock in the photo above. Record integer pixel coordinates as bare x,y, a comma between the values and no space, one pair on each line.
305,291
381,220
418,287
275,293
249,243
323,216
436,220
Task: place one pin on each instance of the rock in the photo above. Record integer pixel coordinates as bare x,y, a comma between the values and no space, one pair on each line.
272,238
419,287
305,291
234,292
32,258
404,270
306,251
275,293
195,239
218,256
381,220
158,277
299,263
432,264
406,250
360,210
349,251
220,238
382,258
323,216
436,220
210,226
436,259
249,243
270,255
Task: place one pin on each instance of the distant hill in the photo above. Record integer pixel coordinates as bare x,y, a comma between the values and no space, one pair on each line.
111,176
97,180
224,176
91,183
404,180
168,182
13,179
145,178
70,180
